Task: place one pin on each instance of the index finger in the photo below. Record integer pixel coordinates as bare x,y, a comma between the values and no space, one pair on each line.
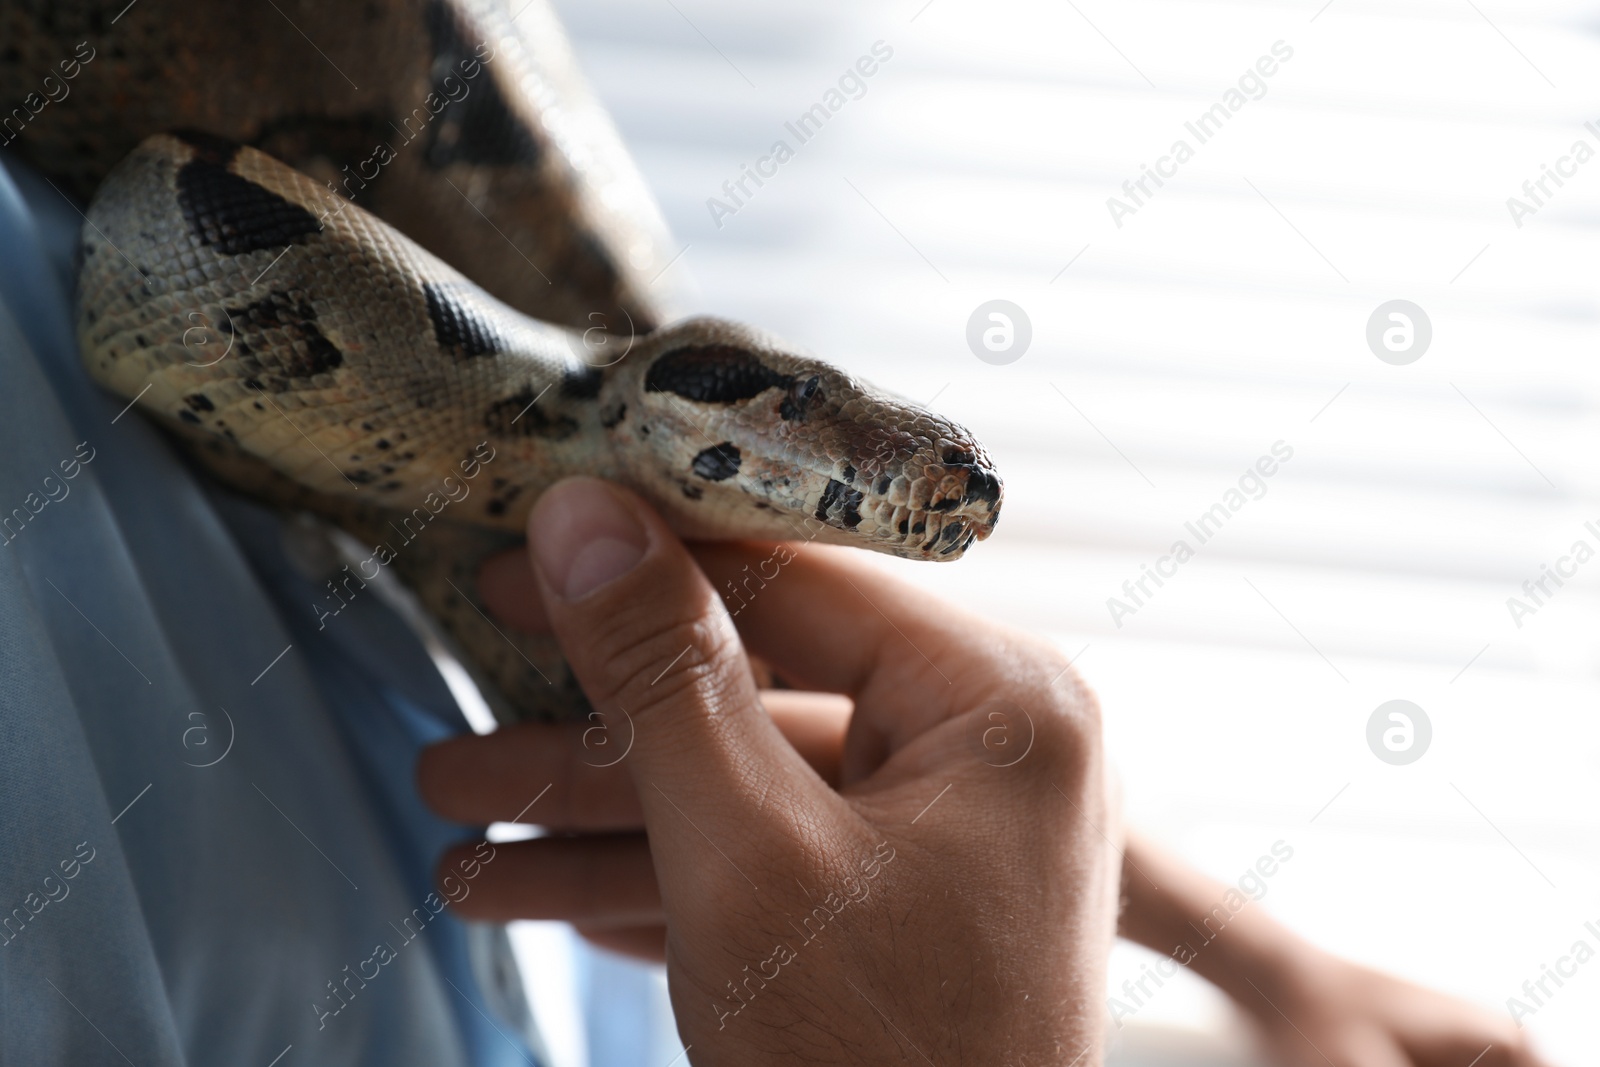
571,776
827,620
830,620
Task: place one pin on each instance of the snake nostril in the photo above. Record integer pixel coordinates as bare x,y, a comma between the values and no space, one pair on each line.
982,484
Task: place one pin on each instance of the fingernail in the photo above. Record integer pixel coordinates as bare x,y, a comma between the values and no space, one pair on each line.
583,536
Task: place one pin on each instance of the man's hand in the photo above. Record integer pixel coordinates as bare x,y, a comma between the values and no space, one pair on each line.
1329,1010
616,906
1313,1009
953,899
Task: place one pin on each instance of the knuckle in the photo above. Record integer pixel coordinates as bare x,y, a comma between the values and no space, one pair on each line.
648,659
1070,726
1069,763
1033,710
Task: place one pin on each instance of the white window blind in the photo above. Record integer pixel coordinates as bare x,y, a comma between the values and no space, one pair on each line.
1225,316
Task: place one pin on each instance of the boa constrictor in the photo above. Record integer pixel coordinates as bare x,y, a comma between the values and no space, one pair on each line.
392,370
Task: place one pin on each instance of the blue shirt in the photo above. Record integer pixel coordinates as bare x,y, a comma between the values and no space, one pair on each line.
213,849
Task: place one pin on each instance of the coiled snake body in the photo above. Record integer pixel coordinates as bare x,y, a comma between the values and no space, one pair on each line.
314,356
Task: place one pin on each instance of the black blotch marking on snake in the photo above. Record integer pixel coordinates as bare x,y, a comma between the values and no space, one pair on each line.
507,493
338,139
208,146
478,127
847,499
613,418
718,463
199,402
518,416
882,487
234,215
306,352
587,266
711,374
848,474
581,382
457,326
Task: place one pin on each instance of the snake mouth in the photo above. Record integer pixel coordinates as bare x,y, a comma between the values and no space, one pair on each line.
935,514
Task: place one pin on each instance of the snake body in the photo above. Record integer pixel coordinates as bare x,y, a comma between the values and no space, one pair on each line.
469,131
313,355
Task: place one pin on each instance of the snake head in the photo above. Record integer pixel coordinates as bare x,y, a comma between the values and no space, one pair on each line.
733,434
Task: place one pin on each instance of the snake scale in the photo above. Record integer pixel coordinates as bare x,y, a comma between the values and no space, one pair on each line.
293,275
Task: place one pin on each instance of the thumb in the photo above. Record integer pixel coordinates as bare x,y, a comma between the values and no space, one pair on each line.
652,645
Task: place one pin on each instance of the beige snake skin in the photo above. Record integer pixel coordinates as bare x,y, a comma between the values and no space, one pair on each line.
316,357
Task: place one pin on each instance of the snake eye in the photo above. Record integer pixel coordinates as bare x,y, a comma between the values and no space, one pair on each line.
800,396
